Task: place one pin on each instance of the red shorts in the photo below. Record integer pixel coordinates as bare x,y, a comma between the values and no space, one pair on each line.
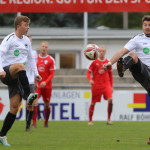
45,93
98,92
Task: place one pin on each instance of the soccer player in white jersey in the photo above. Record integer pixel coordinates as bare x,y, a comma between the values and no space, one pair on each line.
32,84
15,50
137,62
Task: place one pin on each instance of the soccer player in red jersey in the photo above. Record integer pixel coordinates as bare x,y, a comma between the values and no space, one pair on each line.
46,68
102,84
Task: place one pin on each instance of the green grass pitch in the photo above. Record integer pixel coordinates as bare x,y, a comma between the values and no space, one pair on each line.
77,135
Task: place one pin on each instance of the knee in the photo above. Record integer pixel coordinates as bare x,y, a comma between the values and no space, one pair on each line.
110,100
15,68
134,56
47,105
93,104
14,109
20,67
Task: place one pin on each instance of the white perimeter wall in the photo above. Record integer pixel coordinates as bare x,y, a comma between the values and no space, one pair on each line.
74,105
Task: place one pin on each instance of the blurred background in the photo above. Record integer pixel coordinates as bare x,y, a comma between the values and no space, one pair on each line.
68,34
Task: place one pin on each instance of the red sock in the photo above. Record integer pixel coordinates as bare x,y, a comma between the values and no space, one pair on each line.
47,114
35,114
91,111
109,110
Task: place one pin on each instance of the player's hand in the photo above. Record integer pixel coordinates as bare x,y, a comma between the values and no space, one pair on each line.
38,78
106,66
2,74
43,84
91,82
36,85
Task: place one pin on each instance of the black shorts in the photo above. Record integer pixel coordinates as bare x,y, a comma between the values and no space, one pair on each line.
141,73
32,88
13,84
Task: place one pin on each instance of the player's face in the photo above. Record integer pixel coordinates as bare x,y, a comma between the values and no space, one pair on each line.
102,53
146,27
23,28
44,48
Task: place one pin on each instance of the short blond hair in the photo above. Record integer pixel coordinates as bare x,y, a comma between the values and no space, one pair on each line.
102,46
46,42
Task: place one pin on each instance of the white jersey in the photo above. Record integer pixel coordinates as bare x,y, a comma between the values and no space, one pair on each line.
29,72
141,44
15,50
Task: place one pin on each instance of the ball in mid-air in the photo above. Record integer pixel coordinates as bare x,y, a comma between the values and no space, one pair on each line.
91,51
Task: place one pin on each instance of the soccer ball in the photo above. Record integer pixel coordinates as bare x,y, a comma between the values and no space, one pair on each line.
91,51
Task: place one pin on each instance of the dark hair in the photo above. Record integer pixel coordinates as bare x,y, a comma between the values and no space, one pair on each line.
18,20
146,18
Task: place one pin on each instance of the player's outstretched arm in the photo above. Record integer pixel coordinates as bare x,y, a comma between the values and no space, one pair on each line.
115,58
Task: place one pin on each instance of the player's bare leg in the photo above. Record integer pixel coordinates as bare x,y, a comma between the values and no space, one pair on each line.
109,111
47,113
91,111
18,71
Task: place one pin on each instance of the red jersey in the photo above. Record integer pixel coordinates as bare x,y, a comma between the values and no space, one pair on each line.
101,77
45,65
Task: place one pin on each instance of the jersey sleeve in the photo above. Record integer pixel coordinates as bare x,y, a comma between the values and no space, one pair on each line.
88,75
131,45
4,47
90,66
50,77
1,68
31,61
52,65
34,52
90,69
52,70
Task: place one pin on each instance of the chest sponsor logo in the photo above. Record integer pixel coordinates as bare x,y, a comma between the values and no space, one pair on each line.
16,52
101,71
41,68
146,50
